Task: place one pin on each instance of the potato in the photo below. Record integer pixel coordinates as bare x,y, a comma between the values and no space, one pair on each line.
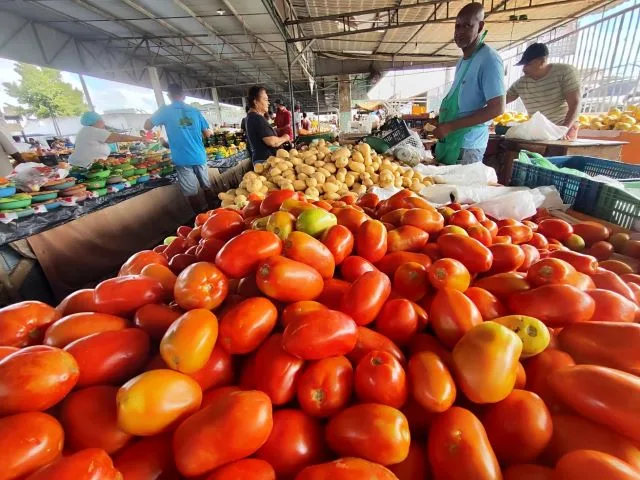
310,160
349,179
286,165
302,176
340,153
278,179
312,192
324,171
311,182
330,167
321,156
272,159
282,153
356,167
332,196
408,173
367,182
416,185
228,202
262,178
320,177
406,182
331,179
242,191
397,183
308,169
343,191
365,149
341,162
254,185
376,178
369,170
226,196
275,171
359,189
296,161
340,176
287,186
356,156
331,187
270,185
293,152
318,164
259,167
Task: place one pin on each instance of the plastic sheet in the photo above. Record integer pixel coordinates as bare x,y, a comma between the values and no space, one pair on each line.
537,128
223,164
472,174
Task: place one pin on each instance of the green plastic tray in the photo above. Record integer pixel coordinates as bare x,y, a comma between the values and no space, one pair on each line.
96,184
101,192
140,171
98,174
44,196
15,204
379,145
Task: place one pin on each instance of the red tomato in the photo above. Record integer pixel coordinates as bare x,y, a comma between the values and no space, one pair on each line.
531,256
369,200
612,307
503,285
320,334
463,219
601,250
432,251
555,305
76,302
519,427
304,248
136,262
506,258
207,250
244,327
379,378
392,261
201,285
88,464
366,296
397,321
550,271
458,447
247,468
6,351
610,281
110,357
591,232
449,273
333,292
35,378
517,233
189,341
369,340
80,325
346,469
124,295
25,322
555,228
411,281
273,200
325,386
527,472
539,241
491,226
480,233
150,457
276,276
432,385
452,314
574,432
371,240
539,368
296,441
340,242
28,441
394,217
415,466
223,225
604,395
181,261
273,370
155,319
378,433
350,218
177,246
217,372
428,220
354,266
406,238
161,273
241,255
297,309
232,427
425,342
475,256
488,304
98,404
581,464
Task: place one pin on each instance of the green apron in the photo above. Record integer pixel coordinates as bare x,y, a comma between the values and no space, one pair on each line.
448,149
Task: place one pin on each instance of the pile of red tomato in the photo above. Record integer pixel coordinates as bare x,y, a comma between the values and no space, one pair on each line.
355,339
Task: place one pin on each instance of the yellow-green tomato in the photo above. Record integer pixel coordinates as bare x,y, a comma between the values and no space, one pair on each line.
168,240
533,333
281,223
315,221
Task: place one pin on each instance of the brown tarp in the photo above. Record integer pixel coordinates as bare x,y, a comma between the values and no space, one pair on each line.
94,246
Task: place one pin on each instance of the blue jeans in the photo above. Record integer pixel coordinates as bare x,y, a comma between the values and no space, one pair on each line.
471,155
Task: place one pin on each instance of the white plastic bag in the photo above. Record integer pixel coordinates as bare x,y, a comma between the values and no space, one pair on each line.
538,127
472,174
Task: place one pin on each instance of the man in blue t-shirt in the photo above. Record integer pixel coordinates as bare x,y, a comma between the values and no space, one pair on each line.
185,127
482,92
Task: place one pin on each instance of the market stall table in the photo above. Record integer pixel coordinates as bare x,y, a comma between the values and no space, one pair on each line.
510,149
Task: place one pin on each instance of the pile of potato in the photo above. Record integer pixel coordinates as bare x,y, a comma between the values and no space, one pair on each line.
322,174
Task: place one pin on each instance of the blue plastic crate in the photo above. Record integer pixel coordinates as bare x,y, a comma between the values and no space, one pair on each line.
580,192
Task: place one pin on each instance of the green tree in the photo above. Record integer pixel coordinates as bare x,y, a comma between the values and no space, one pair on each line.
44,94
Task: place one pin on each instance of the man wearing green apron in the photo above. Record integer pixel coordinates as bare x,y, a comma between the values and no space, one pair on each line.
477,94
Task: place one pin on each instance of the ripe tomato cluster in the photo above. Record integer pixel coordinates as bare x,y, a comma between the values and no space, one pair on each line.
353,339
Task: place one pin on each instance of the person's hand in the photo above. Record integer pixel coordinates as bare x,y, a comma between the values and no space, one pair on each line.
287,137
442,130
572,133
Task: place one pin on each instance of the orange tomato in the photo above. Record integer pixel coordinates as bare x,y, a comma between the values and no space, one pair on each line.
325,386
88,464
189,341
425,342
581,464
486,362
527,471
397,320
555,228
366,296
304,248
506,258
374,432
452,314
274,200
340,242
432,385
458,447
392,261
350,218
369,340
149,457
277,274
488,304
217,372
428,220
241,255
601,251
612,307
35,378
539,241
222,225
371,240
503,285
245,326
480,233
24,323
406,238
297,309
161,273
449,273
463,219
99,405
155,401
6,351
253,468
611,281
539,368
379,378
517,233
232,427
415,466
519,427
550,271
201,285
616,266
28,441
136,262
411,281
80,325
473,254
76,302
123,295
155,319
591,232
346,469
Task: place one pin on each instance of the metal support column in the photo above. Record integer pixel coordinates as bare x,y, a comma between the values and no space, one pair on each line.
318,102
155,84
344,102
216,103
244,102
293,107
87,97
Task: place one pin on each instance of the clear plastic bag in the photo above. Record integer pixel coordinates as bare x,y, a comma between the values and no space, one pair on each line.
30,176
538,127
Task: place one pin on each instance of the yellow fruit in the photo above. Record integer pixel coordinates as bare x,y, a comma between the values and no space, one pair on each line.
625,118
533,333
622,126
614,111
635,128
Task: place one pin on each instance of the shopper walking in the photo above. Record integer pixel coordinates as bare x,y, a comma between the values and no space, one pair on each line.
185,126
476,96
263,139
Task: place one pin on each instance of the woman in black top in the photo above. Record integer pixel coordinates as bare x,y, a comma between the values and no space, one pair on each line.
261,136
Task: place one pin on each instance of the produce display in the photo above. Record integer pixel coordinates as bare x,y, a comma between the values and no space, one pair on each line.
509,118
344,339
324,171
625,119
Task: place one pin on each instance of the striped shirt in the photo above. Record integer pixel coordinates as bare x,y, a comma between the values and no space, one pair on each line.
547,94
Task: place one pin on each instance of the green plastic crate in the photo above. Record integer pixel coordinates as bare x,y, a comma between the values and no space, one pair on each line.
618,206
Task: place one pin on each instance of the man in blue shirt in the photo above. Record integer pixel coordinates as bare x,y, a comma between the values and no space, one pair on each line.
480,78
185,127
